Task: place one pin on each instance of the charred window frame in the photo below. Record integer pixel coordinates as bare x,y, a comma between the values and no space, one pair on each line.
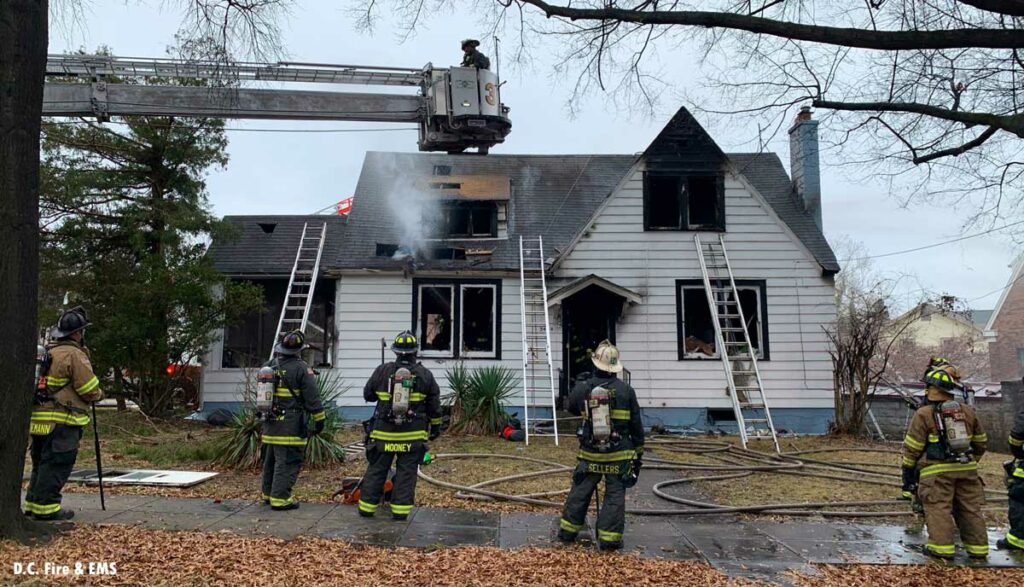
469,219
684,202
474,327
692,302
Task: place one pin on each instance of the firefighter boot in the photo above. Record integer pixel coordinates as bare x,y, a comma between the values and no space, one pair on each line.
59,516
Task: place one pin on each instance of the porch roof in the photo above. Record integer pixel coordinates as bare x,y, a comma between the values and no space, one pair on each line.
584,282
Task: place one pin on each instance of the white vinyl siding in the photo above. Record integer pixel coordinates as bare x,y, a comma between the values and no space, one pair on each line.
800,302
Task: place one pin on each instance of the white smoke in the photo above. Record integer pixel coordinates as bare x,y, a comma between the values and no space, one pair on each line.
414,211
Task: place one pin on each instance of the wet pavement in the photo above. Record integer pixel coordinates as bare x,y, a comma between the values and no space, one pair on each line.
760,550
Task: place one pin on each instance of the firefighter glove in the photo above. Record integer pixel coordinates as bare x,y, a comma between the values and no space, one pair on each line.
910,479
1017,451
318,427
435,431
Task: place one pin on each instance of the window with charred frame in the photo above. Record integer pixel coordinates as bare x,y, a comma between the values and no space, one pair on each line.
469,219
684,202
458,318
695,325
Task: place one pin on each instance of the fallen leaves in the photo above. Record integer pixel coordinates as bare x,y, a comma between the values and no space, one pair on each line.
150,557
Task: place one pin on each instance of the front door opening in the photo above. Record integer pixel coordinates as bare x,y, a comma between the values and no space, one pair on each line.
588,317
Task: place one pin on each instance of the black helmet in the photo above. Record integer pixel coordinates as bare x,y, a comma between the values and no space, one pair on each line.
70,322
292,343
405,344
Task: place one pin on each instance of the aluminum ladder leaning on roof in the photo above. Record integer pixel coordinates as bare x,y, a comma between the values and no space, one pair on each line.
298,298
732,341
538,371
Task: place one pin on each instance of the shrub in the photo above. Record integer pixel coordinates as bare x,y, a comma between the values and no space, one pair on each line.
241,447
461,396
484,399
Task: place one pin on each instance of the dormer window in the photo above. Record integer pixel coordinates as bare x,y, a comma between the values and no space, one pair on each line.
684,202
469,219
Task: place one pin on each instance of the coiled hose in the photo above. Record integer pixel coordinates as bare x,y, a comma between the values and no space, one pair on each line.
731,462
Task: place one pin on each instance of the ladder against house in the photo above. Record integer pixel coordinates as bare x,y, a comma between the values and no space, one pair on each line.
732,341
538,370
298,298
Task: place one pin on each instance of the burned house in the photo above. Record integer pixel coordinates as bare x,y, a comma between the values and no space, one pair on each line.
432,245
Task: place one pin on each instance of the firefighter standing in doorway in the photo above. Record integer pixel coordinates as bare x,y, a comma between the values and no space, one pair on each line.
611,446
408,413
942,447
286,427
59,413
472,57
1014,539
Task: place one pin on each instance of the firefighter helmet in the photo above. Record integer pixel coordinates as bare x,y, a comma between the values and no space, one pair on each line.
470,43
70,322
405,344
942,381
291,343
606,357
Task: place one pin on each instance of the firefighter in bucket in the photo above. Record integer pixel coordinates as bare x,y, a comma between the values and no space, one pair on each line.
407,414
611,446
941,450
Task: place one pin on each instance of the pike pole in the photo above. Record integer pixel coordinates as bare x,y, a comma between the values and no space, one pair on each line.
99,461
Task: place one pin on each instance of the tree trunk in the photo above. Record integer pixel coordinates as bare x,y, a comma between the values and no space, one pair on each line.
23,41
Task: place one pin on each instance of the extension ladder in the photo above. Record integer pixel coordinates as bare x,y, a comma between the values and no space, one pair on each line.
538,371
298,298
732,341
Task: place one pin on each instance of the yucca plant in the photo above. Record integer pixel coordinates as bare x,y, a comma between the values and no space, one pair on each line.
484,405
323,449
240,449
461,396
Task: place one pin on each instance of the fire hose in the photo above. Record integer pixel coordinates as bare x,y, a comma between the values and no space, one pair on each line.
729,462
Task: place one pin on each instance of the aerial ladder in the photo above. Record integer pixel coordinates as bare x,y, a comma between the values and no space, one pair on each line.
455,108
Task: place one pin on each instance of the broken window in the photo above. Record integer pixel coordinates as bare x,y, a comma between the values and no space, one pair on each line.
442,170
702,203
697,323
677,202
458,318
435,320
478,323
470,219
662,209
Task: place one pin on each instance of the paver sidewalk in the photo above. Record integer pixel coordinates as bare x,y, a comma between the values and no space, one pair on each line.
761,550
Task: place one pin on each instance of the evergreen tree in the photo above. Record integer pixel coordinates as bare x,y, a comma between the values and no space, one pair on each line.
126,220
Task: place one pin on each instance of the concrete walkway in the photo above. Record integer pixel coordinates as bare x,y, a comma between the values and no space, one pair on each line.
760,550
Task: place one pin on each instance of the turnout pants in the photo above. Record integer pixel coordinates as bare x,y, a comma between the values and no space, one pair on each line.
611,520
380,455
953,501
53,458
281,465
1015,536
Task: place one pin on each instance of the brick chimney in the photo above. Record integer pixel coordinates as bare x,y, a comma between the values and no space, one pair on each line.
803,162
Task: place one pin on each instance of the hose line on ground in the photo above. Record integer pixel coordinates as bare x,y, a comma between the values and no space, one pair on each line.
724,461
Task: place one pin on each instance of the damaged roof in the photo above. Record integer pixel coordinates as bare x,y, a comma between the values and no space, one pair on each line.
552,196
266,245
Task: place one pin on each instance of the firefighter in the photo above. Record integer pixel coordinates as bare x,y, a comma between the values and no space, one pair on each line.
287,428
408,413
59,414
942,447
611,446
1014,539
472,57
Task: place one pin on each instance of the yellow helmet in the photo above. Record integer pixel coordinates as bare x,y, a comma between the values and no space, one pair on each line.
942,379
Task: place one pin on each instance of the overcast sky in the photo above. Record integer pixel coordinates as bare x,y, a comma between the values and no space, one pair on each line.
296,173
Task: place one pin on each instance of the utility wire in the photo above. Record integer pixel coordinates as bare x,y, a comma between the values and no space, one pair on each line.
933,245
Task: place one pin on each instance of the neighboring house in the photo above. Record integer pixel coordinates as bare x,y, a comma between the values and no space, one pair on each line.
930,325
1005,329
618,234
